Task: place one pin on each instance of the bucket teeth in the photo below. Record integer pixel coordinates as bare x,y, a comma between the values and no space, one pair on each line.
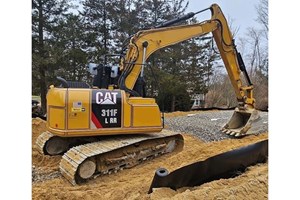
237,134
232,133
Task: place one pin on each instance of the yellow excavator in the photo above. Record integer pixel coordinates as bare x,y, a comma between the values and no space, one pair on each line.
112,125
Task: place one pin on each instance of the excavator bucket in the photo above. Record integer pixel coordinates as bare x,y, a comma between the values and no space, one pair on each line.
240,122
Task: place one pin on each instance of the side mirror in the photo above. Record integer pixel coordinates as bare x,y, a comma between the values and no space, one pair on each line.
92,68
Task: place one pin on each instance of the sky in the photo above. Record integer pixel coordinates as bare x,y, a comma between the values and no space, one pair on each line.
242,12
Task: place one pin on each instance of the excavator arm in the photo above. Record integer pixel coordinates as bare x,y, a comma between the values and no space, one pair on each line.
146,42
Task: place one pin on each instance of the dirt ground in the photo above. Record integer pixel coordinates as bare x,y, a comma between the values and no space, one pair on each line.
134,183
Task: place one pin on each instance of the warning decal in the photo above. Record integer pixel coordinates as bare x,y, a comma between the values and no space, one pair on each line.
106,108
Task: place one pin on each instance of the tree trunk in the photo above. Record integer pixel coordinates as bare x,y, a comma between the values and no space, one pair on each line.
42,71
43,88
173,103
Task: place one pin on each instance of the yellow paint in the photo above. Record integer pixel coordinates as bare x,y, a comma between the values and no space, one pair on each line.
126,115
79,120
56,111
145,112
139,115
56,118
142,101
146,116
56,97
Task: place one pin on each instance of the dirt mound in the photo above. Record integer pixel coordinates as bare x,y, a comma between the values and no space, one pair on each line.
38,126
180,113
42,165
134,183
253,184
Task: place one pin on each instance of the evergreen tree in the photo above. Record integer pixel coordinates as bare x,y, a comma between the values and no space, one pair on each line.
189,62
69,39
126,21
46,15
64,43
199,65
97,19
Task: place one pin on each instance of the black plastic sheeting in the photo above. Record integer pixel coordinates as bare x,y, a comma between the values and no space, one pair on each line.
223,165
222,108
214,108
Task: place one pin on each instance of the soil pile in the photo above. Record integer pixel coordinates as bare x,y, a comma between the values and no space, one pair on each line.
43,167
253,184
134,183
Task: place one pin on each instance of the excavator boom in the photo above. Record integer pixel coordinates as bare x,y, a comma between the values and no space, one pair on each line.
146,42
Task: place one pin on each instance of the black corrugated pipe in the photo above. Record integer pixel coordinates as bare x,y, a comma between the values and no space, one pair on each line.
223,165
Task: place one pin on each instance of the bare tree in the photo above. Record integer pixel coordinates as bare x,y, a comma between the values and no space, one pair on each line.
234,29
258,56
221,92
263,17
255,56
254,49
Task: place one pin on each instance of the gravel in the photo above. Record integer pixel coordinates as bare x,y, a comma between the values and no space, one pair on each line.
207,124
39,174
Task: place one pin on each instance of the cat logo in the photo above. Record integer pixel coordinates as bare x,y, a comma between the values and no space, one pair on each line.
108,98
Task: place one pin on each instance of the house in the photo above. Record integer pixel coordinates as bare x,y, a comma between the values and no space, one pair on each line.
199,101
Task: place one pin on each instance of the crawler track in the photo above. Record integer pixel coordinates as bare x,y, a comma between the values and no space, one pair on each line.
49,144
112,154
42,139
